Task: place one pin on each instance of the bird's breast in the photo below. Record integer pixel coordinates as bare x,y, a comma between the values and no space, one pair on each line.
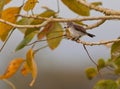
75,33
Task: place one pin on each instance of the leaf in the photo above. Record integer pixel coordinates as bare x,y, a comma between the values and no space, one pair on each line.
115,50
30,4
12,68
47,13
25,69
29,58
8,14
34,72
24,21
2,3
45,30
30,66
106,84
55,35
101,63
25,41
77,7
96,3
91,73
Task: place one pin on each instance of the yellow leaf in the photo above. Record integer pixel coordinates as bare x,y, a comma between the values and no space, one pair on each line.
2,4
34,72
55,35
12,68
77,7
8,14
30,4
29,58
45,30
30,66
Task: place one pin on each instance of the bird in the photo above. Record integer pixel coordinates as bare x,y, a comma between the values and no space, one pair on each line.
77,31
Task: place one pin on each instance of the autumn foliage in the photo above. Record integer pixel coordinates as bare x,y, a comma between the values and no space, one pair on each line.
44,29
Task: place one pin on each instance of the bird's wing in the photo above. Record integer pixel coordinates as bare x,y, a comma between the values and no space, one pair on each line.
79,28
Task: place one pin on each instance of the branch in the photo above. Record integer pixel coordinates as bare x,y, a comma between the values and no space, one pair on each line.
97,43
95,25
59,20
24,26
74,19
100,9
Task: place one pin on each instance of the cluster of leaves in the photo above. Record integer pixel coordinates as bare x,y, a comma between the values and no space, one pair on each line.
113,64
53,31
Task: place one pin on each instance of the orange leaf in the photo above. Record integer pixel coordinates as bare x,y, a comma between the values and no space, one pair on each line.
25,70
45,31
8,15
30,66
12,68
29,5
34,72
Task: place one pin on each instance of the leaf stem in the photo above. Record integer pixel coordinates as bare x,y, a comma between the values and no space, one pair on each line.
7,39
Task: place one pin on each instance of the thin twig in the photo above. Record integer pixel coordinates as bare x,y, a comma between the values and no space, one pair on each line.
44,40
89,55
35,51
9,83
92,60
7,39
97,24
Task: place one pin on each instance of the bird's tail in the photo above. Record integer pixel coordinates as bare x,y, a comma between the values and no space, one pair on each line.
90,35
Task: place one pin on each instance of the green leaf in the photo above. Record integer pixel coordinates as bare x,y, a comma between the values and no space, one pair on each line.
117,62
24,21
101,63
115,50
55,35
96,3
25,41
106,84
77,7
47,13
91,73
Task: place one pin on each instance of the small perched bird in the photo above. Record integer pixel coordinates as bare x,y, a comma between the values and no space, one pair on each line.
77,31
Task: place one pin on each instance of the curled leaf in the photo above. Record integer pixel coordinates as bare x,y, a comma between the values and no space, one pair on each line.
30,66
12,68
